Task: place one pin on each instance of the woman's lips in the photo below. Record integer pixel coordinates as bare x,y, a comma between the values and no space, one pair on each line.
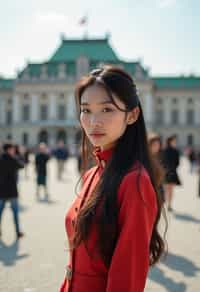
97,135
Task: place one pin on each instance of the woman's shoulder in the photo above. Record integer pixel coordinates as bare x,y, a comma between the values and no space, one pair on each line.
138,171
136,184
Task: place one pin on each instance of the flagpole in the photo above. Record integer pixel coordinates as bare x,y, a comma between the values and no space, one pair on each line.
84,22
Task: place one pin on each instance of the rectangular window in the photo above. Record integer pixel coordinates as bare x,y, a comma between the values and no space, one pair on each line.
43,112
9,117
175,116
159,117
61,112
26,112
25,139
190,117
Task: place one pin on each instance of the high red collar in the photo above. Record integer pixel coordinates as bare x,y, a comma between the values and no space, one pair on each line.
102,156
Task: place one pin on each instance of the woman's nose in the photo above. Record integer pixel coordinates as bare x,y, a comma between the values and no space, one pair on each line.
96,120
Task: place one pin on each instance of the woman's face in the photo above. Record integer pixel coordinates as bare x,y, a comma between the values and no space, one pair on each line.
155,147
102,122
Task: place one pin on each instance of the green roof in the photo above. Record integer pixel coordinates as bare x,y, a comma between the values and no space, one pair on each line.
94,49
98,51
177,82
6,84
131,68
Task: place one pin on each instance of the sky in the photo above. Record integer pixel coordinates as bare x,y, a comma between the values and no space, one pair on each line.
164,35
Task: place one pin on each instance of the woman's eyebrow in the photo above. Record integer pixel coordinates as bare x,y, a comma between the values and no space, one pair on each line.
102,102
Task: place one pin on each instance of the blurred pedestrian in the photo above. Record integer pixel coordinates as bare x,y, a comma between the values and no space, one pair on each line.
41,159
156,152
9,166
61,154
171,159
192,159
20,156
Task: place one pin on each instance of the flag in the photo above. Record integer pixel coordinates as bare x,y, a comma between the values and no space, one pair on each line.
83,20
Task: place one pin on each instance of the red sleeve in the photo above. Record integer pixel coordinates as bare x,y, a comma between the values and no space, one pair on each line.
130,261
87,173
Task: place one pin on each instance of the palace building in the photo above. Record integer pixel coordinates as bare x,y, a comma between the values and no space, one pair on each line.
39,104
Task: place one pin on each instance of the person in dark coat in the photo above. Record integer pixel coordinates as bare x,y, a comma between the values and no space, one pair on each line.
26,156
61,154
41,160
171,159
9,166
192,159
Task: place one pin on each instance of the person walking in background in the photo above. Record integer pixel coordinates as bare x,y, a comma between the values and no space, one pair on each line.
113,224
156,152
198,171
9,166
192,159
61,154
26,154
20,156
41,160
171,158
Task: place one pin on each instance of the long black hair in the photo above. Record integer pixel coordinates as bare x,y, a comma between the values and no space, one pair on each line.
131,147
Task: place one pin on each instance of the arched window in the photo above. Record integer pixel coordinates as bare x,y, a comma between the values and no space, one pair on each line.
25,139
159,100
190,140
190,100
62,136
43,137
9,137
174,100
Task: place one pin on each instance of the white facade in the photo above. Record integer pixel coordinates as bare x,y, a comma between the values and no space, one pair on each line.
52,113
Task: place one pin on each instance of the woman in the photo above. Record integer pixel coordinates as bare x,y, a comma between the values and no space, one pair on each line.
155,149
112,225
171,162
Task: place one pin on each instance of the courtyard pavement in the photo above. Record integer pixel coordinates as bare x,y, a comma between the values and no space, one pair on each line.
36,263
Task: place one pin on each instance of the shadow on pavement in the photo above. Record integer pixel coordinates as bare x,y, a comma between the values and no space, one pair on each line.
158,276
9,253
186,217
22,208
181,264
46,201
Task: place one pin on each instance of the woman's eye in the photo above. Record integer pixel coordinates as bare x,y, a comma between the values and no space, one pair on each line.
84,110
106,110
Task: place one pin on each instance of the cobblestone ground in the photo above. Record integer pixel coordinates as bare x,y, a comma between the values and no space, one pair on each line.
36,262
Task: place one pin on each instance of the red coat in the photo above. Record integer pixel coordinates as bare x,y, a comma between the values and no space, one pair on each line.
130,261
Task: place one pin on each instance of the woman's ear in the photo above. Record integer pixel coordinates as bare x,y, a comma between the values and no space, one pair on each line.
133,115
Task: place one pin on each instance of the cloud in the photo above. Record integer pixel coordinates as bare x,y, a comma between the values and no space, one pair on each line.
53,22
166,3
50,18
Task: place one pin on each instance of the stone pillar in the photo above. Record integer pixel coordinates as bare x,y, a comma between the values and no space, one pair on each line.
167,111
182,111
2,110
52,107
148,109
16,109
71,107
34,108
197,113
52,138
